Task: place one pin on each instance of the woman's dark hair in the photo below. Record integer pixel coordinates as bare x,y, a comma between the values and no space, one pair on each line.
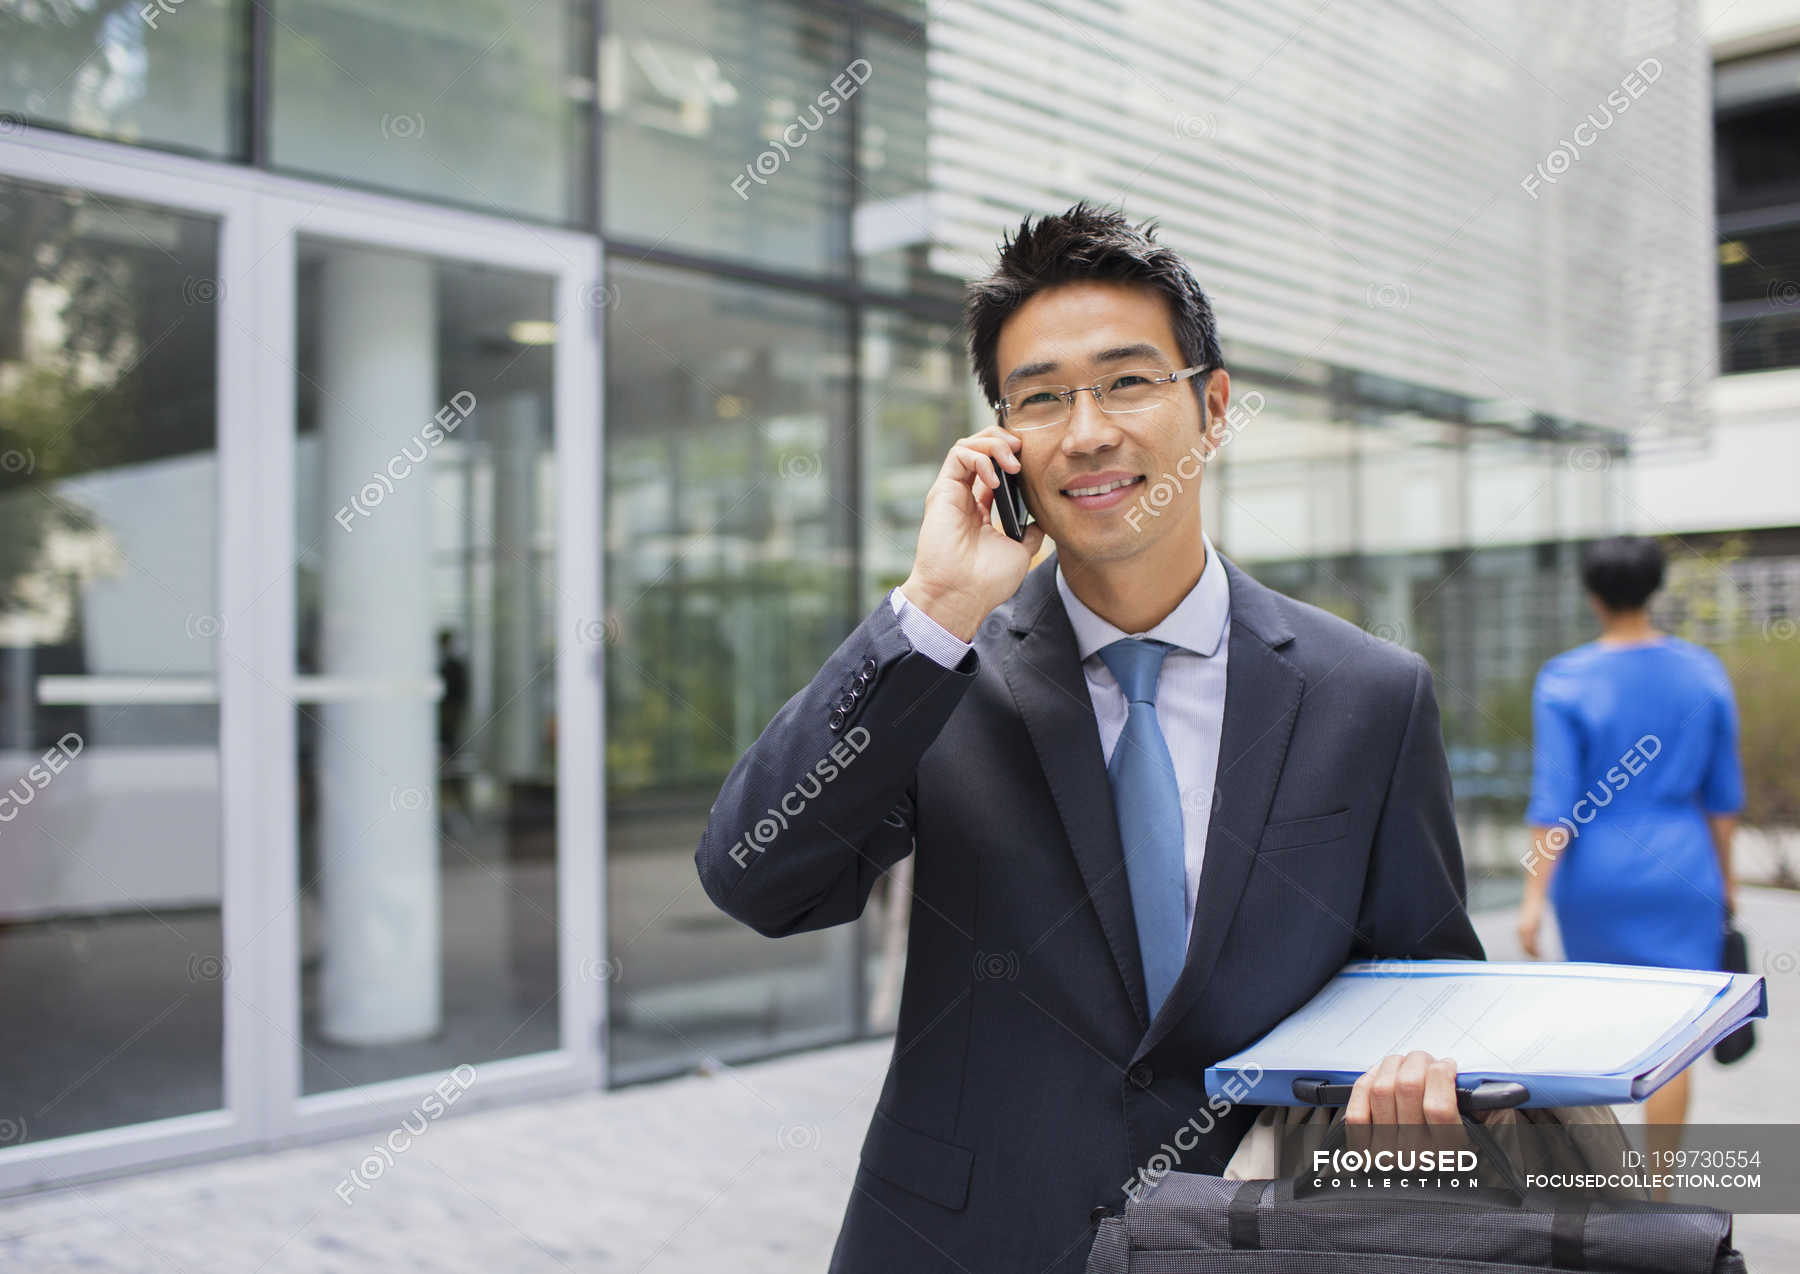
1622,571
1085,244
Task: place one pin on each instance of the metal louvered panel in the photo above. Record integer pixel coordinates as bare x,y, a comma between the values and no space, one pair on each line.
1349,182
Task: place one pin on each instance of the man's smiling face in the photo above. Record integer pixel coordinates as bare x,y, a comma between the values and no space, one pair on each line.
1074,334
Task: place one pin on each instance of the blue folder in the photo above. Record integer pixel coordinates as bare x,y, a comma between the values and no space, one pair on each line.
1575,1034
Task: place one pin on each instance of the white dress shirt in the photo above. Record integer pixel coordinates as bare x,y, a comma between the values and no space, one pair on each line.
1190,691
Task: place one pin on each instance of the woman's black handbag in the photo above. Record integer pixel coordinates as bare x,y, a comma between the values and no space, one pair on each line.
1737,960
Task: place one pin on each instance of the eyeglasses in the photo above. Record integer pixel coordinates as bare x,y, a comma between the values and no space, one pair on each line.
1116,394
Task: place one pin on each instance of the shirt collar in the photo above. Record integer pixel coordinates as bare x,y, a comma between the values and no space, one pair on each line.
1196,624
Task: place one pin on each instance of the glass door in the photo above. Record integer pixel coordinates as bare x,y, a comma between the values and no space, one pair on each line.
425,582
110,915
300,798
439,905
124,901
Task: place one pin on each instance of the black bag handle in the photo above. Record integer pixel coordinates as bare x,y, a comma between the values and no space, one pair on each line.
1489,1094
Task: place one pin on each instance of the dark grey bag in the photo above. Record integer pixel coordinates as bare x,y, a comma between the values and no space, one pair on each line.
1193,1224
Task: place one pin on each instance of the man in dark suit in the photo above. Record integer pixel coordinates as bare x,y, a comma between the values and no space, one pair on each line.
1154,804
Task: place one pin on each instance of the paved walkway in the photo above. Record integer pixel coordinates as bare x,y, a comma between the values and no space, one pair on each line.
747,1169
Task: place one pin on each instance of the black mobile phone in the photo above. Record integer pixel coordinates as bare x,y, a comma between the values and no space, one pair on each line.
1009,498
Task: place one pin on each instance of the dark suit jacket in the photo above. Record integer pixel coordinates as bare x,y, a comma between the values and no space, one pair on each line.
1027,1084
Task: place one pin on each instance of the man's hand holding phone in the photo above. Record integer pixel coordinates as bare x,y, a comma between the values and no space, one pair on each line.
965,565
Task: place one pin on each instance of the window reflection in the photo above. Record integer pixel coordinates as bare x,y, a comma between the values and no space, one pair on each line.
161,73
426,603
110,868
729,582
472,102
894,220
694,92
917,399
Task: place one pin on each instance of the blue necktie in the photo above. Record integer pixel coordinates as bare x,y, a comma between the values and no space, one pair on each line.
1148,800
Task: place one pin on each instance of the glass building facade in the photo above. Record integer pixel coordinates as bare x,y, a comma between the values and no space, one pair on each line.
435,439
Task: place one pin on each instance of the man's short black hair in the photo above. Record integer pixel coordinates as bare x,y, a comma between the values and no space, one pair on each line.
1085,244
1622,571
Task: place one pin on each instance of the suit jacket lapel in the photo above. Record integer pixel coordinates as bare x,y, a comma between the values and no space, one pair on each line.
1045,677
1262,701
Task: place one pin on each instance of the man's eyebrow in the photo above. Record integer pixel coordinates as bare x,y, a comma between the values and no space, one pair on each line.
1117,353
1028,369
1142,349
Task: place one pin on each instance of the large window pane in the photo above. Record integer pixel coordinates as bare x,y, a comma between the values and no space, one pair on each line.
911,10
427,630
468,101
111,968
159,72
1755,165
1283,484
917,399
1759,295
727,129
729,581
1761,344
893,210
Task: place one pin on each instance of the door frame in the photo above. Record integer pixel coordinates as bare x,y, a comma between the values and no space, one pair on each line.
260,215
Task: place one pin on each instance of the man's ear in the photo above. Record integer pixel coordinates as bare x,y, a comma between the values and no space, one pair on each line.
1212,431
1213,424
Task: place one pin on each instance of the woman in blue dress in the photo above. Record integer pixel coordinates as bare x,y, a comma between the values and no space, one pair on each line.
1634,790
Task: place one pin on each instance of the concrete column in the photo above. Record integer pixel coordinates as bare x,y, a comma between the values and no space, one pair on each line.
381,892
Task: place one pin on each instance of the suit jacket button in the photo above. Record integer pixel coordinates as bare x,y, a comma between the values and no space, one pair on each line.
1140,1075
867,667
1099,1214
847,702
836,720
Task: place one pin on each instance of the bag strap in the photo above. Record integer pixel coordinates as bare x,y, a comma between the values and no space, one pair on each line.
1242,1222
1568,1237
